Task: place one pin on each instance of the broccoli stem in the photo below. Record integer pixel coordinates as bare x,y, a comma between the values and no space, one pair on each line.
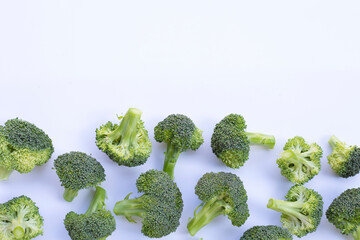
5,173
18,232
261,139
70,194
130,207
171,156
125,134
299,157
356,234
213,208
287,207
98,201
334,142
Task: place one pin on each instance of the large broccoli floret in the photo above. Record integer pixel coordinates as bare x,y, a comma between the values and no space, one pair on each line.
96,224
76,171
344,212
269,232
22,147
126,143
160,206
20,219
230,142
180,134
300,162
301,212
345,159
222,194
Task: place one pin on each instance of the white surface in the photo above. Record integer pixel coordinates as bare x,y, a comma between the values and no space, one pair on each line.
289,67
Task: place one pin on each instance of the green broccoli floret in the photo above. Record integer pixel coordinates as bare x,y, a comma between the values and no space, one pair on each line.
22,147
344,160
20,219
300,162
230,142
160,206
126,143
344,212
269,232
222,194
301,212
96,224
180,134
76,171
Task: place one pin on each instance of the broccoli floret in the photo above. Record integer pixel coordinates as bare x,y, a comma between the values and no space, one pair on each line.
300,162
222,194
269,232
180,134
160,206
22,147
344,212
20,219
126,143
301,212
230,142
96,224
76,171
344,160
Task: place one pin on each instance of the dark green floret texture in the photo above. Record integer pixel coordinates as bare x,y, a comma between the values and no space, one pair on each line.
301,211
126,143
230,142
269,232
180,134
222,194
344,212
159,207
76,171
20,219
22,147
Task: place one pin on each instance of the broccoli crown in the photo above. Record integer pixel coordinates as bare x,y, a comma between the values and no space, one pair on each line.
126,143
269,232
97,223
300,162
344,160
20,219
222,194
23,146
301,212
344,211
160,206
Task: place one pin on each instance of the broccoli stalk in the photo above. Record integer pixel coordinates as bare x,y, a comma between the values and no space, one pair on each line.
334,142
5,173
292,209
171,156
261,139
97,202
130,207
356,234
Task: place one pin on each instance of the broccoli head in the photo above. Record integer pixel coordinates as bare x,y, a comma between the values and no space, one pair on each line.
22,147
76,171
230,142
180,134
96,224
126,143
344,160
269,232
160,206
20,219
300,162
301,212
222,194
344,212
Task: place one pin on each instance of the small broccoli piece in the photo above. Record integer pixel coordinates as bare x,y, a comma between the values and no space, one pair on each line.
269,232
96,224
301,212
344,212
300,162
160,206
76,171
180,134
22,147
230,142
344,160
222,194
20,219
126,143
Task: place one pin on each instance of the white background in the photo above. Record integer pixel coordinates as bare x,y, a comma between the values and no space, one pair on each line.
289,67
